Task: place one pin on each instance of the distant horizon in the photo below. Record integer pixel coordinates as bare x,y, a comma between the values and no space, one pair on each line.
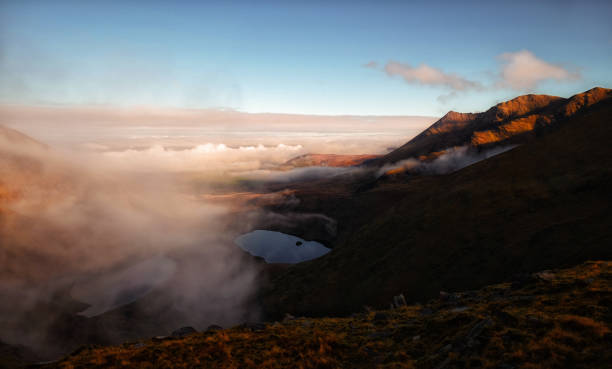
165,109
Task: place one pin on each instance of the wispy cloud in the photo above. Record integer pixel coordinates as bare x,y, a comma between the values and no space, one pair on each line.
522,70
428,75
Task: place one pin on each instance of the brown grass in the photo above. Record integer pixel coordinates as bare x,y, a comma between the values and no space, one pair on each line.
522,328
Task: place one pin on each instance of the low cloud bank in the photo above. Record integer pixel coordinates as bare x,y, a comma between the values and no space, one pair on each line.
205,158
454,159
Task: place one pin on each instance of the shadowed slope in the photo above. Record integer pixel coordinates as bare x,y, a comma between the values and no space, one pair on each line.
544,204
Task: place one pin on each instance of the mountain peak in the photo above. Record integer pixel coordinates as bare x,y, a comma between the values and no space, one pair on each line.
522,105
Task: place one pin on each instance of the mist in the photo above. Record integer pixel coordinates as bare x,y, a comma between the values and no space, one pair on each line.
77,225
453,159
107,213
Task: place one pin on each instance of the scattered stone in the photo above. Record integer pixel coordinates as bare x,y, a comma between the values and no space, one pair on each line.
460,309
138,345
183,331
161,338
214,327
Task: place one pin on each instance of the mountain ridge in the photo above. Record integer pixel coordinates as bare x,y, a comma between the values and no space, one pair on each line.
511,121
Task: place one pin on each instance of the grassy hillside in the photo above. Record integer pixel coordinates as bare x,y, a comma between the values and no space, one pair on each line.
552,319
543,204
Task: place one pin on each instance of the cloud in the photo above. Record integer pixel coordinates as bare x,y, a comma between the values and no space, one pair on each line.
107,235
453,159
372,64
522,70
430,76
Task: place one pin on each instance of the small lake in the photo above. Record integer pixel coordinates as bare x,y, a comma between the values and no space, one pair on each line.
277,247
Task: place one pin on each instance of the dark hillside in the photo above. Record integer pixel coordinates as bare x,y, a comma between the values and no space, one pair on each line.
544,204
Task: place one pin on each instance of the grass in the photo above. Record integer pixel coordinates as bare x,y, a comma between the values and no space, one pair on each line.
557,319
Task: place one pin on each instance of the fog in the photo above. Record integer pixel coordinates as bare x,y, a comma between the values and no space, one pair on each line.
95,210
77,224
453,159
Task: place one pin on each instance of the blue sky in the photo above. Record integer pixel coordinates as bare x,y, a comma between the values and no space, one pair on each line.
301,58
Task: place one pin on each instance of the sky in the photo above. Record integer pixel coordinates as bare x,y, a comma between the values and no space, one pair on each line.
315,57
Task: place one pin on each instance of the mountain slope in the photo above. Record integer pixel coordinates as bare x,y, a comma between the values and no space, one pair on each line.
510,122
326,160
552,319
542,205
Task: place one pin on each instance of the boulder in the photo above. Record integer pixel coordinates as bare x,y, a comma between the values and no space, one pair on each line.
183,331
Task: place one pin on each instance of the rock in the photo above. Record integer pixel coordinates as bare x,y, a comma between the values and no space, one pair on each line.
448,297
382,334
545,275
183,331
298,243
306,323
213,327
416,338
253,327
522,279
426,311
288,317
398,301
161,338
380,316
138,345
478,328
460,309
505,318
444,363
